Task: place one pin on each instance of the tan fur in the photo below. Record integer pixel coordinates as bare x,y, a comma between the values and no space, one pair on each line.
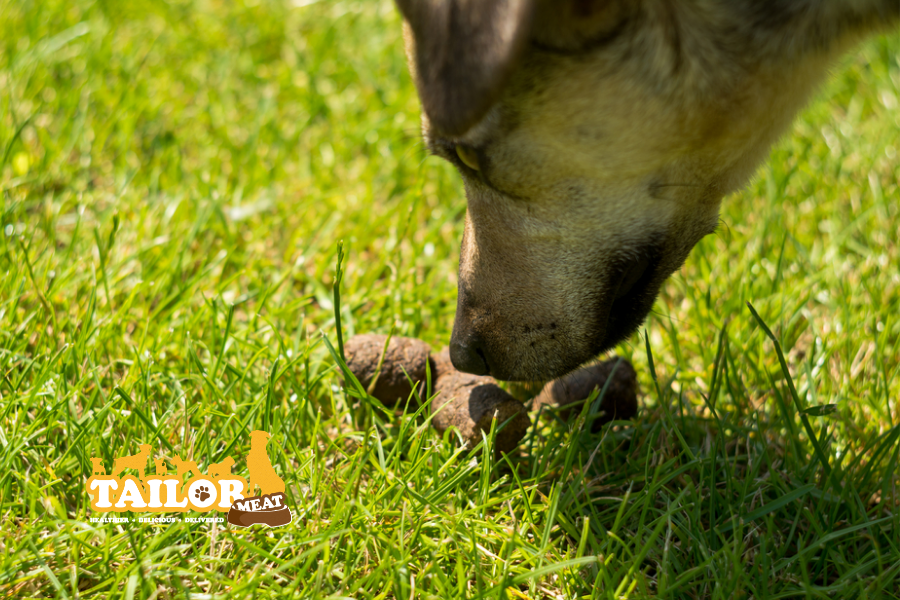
608,147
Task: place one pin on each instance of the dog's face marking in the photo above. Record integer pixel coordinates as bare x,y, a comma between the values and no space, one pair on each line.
609,140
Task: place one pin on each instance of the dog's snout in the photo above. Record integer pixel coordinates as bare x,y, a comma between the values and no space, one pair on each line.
468,355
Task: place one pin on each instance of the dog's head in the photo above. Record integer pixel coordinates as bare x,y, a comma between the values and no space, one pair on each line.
595,139
259,438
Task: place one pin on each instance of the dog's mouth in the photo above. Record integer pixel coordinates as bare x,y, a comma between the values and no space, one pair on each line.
639,280
633,275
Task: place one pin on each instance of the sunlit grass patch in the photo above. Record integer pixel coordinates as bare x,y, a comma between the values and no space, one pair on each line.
175,179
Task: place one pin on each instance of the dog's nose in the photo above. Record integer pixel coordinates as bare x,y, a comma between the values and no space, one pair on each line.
468,356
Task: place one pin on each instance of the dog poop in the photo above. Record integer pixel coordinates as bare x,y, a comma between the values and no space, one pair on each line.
363,353
568,392
470,403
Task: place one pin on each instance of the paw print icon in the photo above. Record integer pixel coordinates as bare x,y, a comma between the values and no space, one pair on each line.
201,493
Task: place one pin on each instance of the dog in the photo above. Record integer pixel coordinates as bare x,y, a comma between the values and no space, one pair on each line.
97,468
136,461
262,474
185,466
222,469
596,140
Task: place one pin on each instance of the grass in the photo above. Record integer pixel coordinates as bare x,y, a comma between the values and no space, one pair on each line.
176,177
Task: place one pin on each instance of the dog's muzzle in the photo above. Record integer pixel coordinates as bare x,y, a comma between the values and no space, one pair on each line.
620,308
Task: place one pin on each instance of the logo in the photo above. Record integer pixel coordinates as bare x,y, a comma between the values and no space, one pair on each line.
218,489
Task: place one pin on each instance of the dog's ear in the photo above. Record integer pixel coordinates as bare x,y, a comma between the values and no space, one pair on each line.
462,54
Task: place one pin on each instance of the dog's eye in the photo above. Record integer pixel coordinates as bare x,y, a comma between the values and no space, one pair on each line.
468,156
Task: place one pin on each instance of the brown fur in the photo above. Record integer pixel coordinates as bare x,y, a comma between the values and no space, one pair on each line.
598,140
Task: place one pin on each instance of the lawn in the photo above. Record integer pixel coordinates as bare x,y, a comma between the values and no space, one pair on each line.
176,178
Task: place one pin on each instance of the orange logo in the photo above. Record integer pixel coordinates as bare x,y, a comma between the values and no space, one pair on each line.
218,489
